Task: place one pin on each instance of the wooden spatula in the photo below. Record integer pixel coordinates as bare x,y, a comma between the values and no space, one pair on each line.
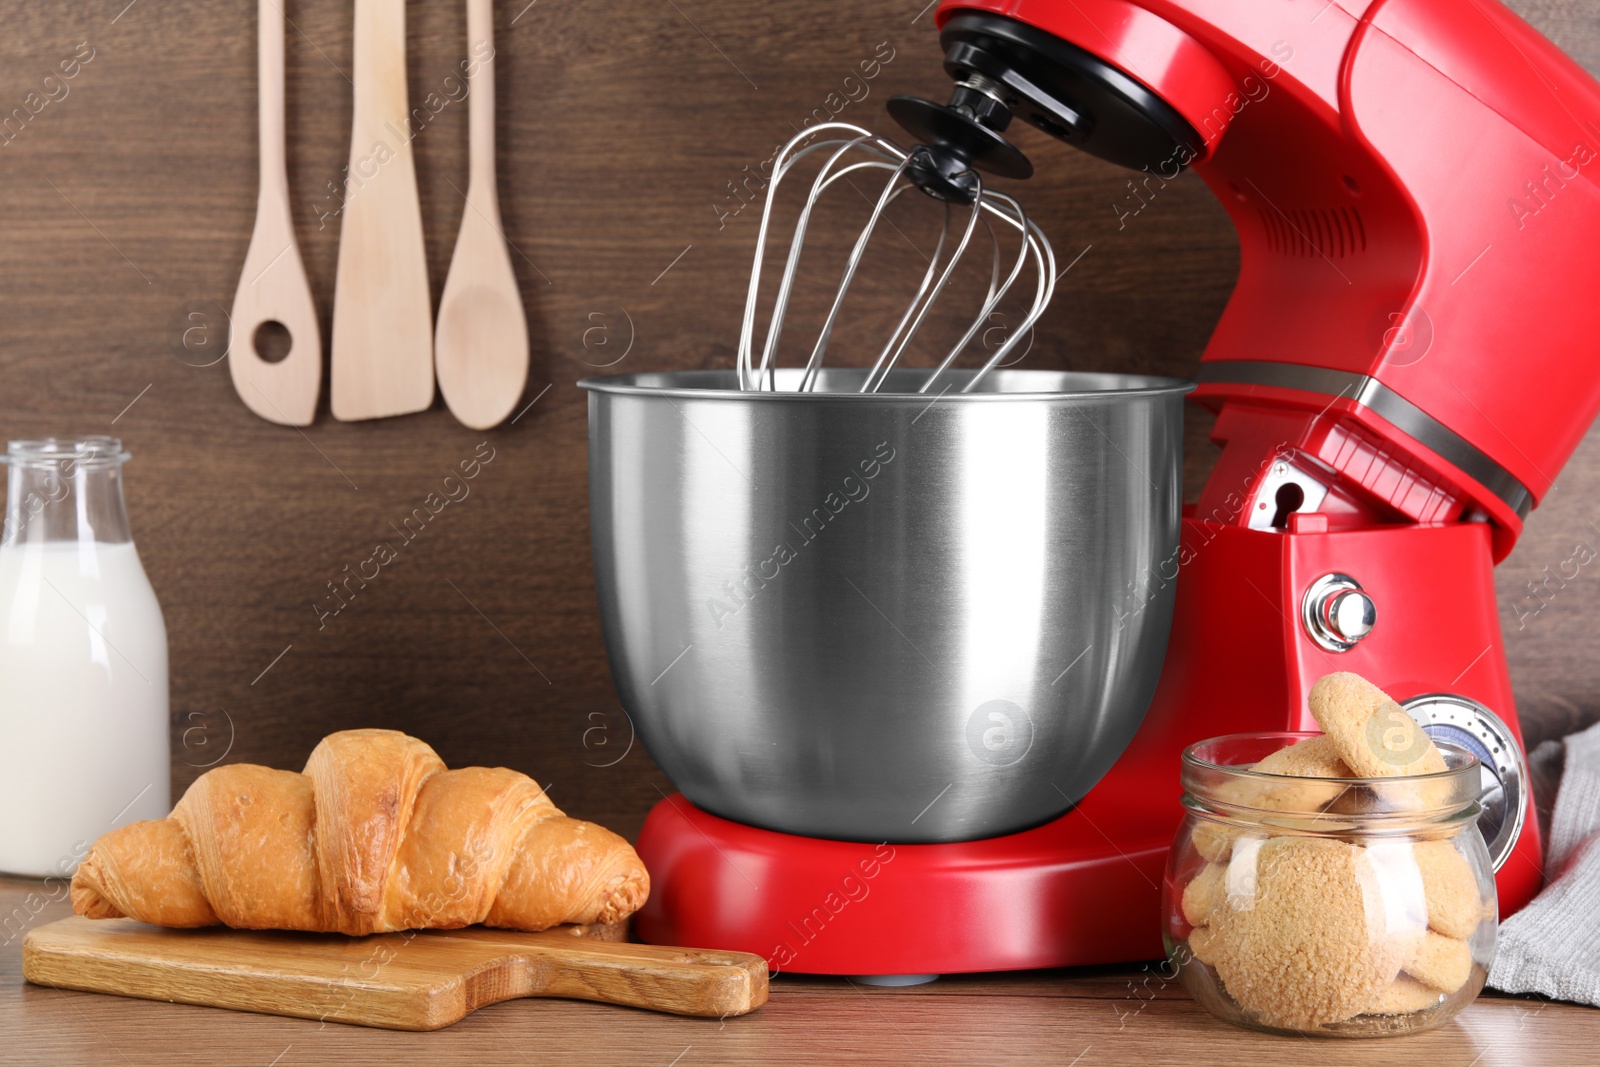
273,285
481,350
382,326
409,981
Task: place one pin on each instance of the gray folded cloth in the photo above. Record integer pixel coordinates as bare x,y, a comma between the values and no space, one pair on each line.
1552,946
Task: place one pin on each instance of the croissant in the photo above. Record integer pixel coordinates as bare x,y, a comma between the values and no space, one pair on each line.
376,835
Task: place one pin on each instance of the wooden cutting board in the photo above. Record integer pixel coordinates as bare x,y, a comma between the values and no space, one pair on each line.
417,980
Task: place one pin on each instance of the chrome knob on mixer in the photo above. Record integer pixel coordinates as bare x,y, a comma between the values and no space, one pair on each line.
1337,612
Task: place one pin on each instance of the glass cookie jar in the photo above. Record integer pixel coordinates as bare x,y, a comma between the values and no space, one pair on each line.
1349,907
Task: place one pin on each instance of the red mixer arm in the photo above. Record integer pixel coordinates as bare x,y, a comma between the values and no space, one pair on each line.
1414,184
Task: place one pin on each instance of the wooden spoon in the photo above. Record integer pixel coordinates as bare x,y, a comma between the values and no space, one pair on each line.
382,326
273,285
481,350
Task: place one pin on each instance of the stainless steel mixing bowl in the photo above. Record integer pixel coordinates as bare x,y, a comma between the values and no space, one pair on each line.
885,617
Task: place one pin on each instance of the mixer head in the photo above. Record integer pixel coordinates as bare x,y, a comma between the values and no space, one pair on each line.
1003,68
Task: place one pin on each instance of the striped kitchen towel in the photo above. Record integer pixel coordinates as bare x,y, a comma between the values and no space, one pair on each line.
1552,946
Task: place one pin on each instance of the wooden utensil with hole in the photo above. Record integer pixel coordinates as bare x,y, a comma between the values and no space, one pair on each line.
382,321
481,350
420,980
273,285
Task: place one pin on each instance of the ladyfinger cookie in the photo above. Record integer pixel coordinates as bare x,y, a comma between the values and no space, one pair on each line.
1443,963
1200,895
1314,757
1455,906
1213,840
1372,733
1309,905
1402,997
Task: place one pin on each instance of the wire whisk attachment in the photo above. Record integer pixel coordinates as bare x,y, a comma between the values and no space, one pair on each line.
851,150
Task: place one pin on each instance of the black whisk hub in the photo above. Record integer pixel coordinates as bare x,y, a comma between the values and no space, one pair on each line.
956,142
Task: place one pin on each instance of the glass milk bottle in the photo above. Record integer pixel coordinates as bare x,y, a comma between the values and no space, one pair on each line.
83,659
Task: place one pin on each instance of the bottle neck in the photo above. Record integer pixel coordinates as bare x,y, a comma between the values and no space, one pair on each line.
65,490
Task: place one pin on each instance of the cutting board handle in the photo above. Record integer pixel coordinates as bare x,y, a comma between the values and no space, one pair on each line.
677,980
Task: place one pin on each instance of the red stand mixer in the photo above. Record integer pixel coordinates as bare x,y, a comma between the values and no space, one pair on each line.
1397,380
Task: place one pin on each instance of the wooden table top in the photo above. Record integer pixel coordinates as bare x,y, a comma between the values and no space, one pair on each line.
1082,1017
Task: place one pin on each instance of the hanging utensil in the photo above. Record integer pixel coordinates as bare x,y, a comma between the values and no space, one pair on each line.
273,286
481,350
382,326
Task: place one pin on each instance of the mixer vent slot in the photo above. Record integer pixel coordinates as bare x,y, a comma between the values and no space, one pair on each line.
1410,487
1333,232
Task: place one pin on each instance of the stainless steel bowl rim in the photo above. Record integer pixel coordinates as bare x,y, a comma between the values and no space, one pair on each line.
1126,385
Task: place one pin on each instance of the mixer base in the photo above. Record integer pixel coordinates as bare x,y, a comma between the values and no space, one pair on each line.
1058,895
1086,887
